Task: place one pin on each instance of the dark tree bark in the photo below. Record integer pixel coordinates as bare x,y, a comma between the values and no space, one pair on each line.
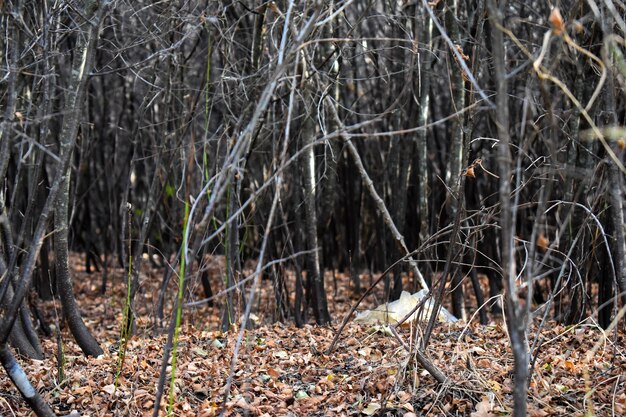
458,155
74,100
19,378
357,121
423,80
315,276
516,317
93,10
233,264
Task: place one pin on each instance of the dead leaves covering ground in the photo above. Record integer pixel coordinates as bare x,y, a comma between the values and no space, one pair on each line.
284,371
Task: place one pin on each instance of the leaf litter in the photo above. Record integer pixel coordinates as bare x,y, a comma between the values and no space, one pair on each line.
283,370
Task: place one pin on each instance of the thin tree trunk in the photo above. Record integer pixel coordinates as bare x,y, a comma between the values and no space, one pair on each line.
11,92
75,97
422,135
94,10
20,380
458,158
332,151
615,198
380,204
20,338
516,319
400,171
232,255
617,222
315,276
71,312
154,196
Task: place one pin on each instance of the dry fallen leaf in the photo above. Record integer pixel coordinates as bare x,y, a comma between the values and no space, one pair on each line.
542,242
371,409
483,409
287,377
109,389
558,26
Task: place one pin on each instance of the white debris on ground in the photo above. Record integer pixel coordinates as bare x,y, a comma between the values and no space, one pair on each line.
393,312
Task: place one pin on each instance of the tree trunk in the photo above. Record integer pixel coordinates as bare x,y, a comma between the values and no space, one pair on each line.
74,100
314,275
71,312
421,139
232,256
516,320
458,158
20,380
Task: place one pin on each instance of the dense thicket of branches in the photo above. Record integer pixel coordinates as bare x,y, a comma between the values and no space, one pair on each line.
465,135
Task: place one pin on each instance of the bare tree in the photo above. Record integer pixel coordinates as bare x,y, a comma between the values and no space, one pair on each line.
465,138
82,65
516,314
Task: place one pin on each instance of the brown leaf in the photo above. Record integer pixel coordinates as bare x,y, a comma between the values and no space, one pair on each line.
542,242
558,26
483,409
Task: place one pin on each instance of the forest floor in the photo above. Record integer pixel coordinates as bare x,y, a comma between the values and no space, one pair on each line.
283,370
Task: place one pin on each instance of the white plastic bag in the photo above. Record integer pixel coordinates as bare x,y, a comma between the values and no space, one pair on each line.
393,312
